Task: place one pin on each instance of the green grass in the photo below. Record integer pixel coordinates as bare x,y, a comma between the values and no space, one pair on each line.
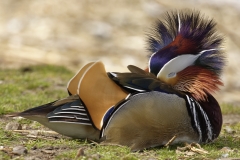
29,87
230,109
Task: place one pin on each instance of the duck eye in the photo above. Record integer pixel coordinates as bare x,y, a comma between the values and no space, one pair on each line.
172,74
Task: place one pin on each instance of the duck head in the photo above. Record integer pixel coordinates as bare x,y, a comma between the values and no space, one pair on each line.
186,54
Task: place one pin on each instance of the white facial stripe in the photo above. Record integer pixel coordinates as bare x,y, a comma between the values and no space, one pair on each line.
177,64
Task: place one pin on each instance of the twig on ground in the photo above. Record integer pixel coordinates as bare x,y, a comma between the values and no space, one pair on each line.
199,150
170,141
38,131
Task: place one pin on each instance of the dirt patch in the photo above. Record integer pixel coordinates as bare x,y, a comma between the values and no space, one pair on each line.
231,119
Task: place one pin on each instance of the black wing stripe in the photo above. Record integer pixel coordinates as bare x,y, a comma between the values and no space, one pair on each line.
72,112
73,117
113,74
67,115
74,109
85,119
135,89
70,120
201,120
80,107
207,122
69,112
57,121
195,117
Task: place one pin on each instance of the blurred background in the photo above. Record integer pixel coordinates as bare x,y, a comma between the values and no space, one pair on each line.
72,33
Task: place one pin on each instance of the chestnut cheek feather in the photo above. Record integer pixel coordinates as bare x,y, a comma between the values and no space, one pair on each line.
198,81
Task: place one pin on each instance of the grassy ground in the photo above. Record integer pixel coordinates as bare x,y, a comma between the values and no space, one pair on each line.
31,86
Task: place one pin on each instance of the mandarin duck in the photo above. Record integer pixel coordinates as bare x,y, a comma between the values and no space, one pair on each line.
145,108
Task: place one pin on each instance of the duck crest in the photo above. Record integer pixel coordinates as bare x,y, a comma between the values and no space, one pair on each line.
189,34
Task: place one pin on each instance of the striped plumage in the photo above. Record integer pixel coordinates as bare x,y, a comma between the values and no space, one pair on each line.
146,108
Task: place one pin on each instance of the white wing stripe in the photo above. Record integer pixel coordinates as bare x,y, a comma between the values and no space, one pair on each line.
139,90
193,110
209,127
70,113
81,107
75,109
71,122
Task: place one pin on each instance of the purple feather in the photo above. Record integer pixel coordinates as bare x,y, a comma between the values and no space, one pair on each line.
185,32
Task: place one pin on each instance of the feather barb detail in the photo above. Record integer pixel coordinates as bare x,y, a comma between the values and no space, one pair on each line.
198,81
